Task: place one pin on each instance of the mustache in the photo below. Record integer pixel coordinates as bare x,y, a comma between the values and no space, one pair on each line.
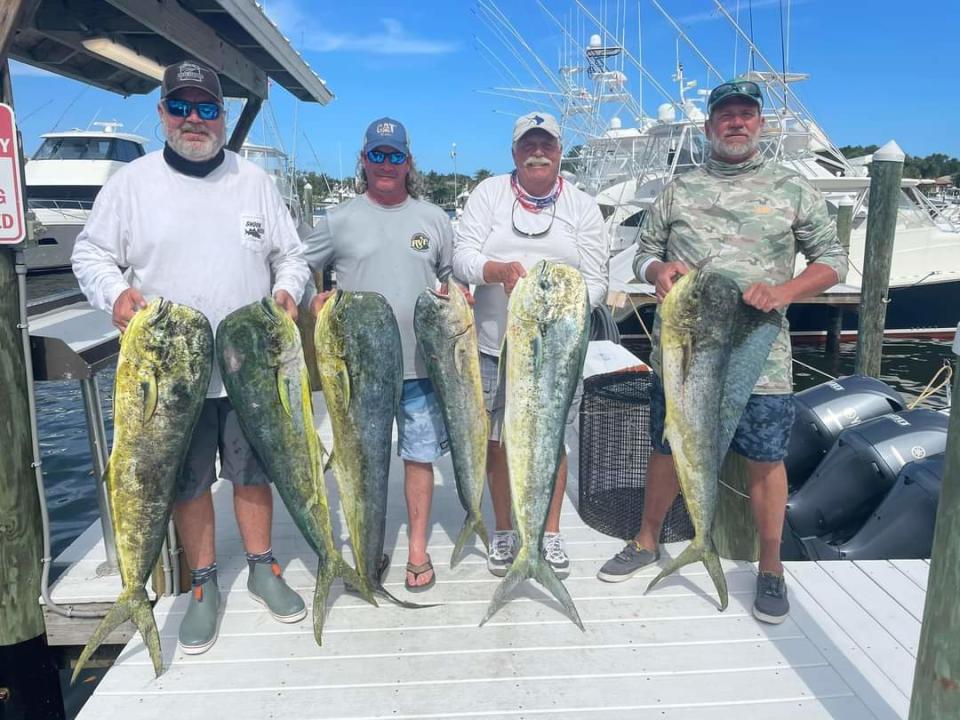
196,129
536,162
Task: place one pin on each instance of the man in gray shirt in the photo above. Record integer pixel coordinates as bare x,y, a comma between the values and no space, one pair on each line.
389,241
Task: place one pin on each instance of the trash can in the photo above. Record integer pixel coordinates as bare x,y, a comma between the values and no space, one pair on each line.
614,448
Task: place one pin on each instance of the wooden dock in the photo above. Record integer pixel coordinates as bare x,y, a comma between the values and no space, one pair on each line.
847,650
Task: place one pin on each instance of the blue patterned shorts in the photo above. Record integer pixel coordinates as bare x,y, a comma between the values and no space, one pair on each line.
763,434
423,434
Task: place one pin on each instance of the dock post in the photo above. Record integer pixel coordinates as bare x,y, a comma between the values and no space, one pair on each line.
308,203
835,312
885,173
936,680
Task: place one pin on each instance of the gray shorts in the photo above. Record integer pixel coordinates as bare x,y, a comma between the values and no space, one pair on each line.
495,395
218,430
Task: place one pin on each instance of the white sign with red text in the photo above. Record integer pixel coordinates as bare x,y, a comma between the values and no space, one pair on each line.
12,227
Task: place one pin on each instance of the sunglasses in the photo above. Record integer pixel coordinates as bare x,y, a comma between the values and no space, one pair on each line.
527,233
183,108
397,157
744,87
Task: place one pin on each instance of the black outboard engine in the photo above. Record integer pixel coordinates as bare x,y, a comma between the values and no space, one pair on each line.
861,468
824,411
901,527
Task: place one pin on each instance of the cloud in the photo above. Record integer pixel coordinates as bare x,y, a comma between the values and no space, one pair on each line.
711,15
393,39
19,69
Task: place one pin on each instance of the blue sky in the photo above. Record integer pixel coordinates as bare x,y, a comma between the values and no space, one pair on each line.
879,70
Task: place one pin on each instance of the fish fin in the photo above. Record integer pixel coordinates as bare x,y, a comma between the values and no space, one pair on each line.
537,352
708,555
132,605
320,592
458,353
351,576
470,525
545,575
148,388
284,390
519,571
383,592
344,383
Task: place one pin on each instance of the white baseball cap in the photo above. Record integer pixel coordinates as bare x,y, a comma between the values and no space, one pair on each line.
536,121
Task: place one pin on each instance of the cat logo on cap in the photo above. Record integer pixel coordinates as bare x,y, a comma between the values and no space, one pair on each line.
420,242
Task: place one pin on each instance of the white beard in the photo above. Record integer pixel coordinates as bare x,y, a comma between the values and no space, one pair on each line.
193,149
736,151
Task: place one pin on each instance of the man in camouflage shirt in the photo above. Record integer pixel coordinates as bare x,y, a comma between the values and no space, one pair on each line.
748,217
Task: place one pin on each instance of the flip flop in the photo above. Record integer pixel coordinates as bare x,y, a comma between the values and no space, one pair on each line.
417,571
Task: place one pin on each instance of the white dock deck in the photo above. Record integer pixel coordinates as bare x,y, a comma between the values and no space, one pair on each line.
847,650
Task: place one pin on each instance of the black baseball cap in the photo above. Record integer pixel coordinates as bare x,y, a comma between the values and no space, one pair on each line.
190,73
746,89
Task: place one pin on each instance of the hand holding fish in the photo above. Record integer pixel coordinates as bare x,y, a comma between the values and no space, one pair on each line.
319,299
465,289
126,306
506,273
286,301
665,274
766,297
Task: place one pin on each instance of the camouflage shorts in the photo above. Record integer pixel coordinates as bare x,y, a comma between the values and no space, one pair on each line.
763,434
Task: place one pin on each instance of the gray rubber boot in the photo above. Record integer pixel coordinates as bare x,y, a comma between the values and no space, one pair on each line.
198,631
267,586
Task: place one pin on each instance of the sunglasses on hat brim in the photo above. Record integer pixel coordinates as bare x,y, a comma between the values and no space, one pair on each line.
731,89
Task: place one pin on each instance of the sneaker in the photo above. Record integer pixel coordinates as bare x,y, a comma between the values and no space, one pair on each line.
771,605
503,545
627,563
555,553
198,630
267,586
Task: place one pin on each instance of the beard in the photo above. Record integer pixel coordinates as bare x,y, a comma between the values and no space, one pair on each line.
197,150
736,151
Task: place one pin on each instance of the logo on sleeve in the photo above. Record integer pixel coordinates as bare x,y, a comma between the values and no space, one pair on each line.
420,242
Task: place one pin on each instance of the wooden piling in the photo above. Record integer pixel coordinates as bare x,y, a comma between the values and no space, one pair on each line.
936,680
885,173
835,312
308,204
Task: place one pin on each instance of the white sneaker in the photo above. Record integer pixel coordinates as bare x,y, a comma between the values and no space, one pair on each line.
555,553
503,545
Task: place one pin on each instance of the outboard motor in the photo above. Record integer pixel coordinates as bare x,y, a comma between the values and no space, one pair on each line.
861,468
901,527
824,411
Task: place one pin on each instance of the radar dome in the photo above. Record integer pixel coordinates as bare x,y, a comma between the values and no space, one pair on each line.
595,41
666,113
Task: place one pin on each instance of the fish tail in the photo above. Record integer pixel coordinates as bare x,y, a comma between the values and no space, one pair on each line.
711,561
383,592
324,580
706,553
472,524
546,576
131,605
358,581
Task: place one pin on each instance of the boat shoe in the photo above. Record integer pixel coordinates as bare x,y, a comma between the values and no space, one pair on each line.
627,563
198,631
267,586
771,605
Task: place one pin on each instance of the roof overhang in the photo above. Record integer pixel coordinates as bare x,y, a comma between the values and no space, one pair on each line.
232,36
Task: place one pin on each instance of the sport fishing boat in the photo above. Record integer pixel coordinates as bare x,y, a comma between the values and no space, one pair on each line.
63,178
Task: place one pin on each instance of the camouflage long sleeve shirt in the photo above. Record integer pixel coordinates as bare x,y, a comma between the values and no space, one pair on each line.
748,221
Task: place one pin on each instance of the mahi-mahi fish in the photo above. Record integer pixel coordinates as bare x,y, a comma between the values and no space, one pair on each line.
445,333
263,369
548,327
166,356
713,350
361,370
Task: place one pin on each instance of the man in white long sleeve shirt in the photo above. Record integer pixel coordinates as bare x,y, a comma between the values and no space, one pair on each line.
510,223
200,226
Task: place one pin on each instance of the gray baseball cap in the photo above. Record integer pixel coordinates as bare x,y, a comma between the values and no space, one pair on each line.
190,73
536,121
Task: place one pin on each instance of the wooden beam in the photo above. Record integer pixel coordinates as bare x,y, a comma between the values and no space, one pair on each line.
183,28
11,16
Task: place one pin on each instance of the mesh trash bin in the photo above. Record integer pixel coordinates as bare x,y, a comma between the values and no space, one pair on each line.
614,448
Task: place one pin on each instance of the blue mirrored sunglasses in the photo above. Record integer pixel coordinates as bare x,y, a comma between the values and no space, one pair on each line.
397,157
183,108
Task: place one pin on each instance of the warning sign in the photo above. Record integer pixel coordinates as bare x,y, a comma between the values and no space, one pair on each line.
11,201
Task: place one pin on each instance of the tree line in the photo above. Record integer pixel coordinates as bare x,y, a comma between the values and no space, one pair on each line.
932,166
438,188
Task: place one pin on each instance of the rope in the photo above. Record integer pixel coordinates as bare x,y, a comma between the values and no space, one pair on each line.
734,490
639,319
930,389
816,370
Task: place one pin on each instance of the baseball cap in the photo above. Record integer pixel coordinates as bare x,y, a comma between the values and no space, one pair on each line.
536,121
735,88
386,131
190,73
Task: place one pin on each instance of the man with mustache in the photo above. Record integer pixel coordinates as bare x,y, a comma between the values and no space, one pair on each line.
510,223
748,217
199,225
388,240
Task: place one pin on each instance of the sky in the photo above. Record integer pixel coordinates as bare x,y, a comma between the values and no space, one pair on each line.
879,70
